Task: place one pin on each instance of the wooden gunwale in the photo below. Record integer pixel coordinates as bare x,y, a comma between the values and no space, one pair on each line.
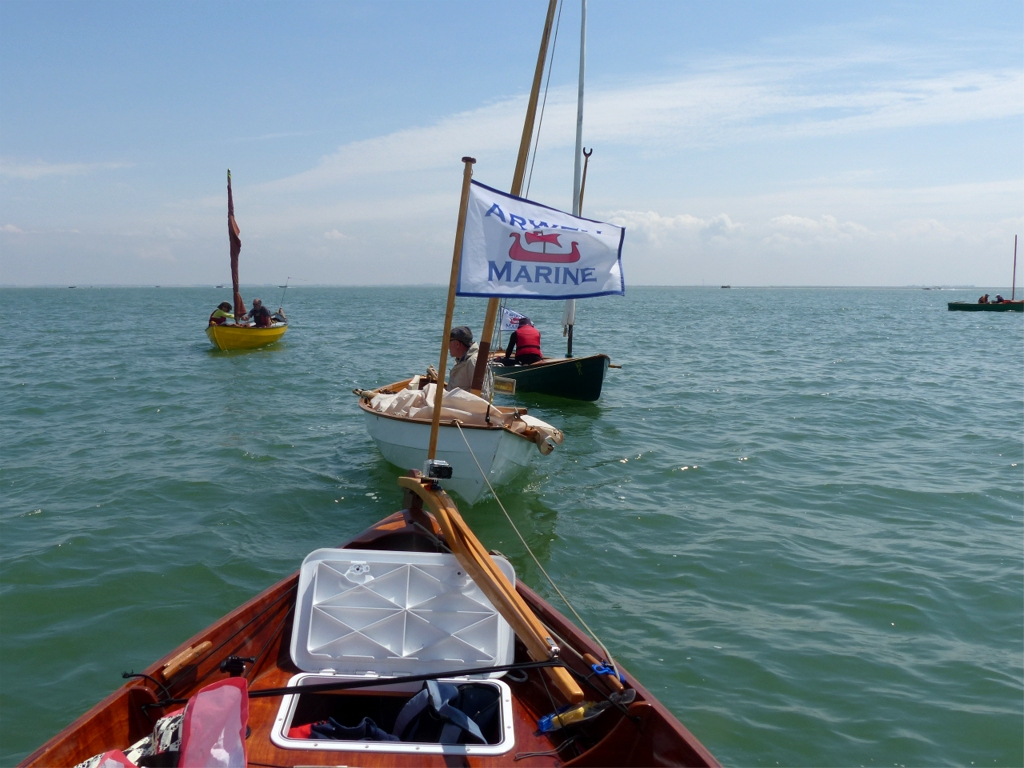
544,362
398,386
651,735
368,409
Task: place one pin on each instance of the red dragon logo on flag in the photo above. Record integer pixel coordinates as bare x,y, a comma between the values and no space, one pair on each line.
518,253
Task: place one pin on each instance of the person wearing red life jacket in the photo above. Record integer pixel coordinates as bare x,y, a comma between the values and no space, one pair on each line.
221,314
525,340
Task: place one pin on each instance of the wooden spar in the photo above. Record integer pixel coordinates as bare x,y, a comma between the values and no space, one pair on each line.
484,348
531,110
517,186
1013,290
435,421
492,582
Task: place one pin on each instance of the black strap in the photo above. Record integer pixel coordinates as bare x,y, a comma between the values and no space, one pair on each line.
437,696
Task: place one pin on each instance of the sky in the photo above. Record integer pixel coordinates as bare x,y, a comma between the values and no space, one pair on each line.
741,143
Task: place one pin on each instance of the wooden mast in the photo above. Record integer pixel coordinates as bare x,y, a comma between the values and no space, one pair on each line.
462,541
435,421
482,359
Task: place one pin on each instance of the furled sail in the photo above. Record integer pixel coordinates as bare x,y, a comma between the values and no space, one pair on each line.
236,248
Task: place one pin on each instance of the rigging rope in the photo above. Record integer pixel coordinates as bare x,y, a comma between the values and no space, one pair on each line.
607,655
540,121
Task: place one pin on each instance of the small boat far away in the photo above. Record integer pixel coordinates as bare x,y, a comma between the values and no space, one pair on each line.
239,335
973,306
999,304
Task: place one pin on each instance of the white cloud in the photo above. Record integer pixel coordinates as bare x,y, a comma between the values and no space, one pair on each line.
764,102
729,102
334,235
38,169
790,230
661,231
490,128
12,229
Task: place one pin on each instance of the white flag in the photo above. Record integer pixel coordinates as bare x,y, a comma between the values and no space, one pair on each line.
515,247
510,320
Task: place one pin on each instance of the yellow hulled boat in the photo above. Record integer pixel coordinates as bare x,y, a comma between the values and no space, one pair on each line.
244,337
241,336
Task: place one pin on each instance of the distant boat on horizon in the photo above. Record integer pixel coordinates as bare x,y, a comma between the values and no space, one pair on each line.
1013,304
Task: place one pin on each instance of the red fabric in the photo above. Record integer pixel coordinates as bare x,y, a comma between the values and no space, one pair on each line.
115,757
217,320
213,728
236,248
527,341
301,732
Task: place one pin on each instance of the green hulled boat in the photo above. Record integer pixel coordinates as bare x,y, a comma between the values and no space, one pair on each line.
577,378
973,306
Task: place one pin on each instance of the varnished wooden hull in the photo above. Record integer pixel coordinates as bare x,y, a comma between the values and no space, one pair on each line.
576,378
645,734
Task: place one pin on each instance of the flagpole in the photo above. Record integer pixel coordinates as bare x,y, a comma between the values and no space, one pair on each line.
487,332
435,421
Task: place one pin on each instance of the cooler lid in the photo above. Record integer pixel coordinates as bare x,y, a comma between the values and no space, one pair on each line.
395,613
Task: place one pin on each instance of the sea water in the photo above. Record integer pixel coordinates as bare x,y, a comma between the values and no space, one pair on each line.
795,515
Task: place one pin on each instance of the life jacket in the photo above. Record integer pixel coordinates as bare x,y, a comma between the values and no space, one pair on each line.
261,317
527,341
216,320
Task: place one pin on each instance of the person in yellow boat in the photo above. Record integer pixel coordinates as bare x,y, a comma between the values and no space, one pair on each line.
259,314
464,353
221,314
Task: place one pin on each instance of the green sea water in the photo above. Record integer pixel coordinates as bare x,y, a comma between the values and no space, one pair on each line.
794,514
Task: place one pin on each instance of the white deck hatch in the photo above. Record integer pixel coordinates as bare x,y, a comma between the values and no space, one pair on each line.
390,613
377,613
